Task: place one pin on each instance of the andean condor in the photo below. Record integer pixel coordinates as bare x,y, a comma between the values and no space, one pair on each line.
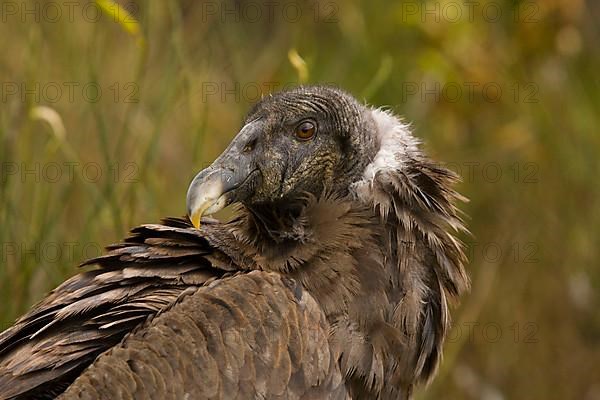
332,282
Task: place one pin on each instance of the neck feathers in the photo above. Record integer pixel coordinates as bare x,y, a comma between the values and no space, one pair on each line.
315,243
414,199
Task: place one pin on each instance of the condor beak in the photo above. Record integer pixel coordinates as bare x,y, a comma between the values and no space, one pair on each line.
207,193
228,180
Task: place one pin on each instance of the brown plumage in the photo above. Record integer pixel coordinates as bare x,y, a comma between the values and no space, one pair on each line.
332,282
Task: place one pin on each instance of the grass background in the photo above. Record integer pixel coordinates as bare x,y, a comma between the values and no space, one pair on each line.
107,113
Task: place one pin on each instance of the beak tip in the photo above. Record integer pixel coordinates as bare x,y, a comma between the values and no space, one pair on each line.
195,219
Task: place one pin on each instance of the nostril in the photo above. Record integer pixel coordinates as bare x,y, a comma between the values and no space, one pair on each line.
249,146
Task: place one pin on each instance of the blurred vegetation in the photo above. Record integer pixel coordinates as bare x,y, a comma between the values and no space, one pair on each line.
81,165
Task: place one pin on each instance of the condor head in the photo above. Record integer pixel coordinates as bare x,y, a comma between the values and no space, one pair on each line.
292,143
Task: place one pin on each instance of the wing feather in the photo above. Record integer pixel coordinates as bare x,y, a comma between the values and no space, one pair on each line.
91,312
238,338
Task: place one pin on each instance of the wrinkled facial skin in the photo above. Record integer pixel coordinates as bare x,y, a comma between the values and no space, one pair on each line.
290,166
287,164
269,162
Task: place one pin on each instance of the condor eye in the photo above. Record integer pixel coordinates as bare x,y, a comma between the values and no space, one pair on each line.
306,130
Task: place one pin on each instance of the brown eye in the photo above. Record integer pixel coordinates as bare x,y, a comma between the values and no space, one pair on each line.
306,130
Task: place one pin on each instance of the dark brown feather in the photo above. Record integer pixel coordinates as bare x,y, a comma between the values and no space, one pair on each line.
92,311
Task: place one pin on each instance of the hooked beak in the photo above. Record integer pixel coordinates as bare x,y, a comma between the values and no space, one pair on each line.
207,194
228,180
